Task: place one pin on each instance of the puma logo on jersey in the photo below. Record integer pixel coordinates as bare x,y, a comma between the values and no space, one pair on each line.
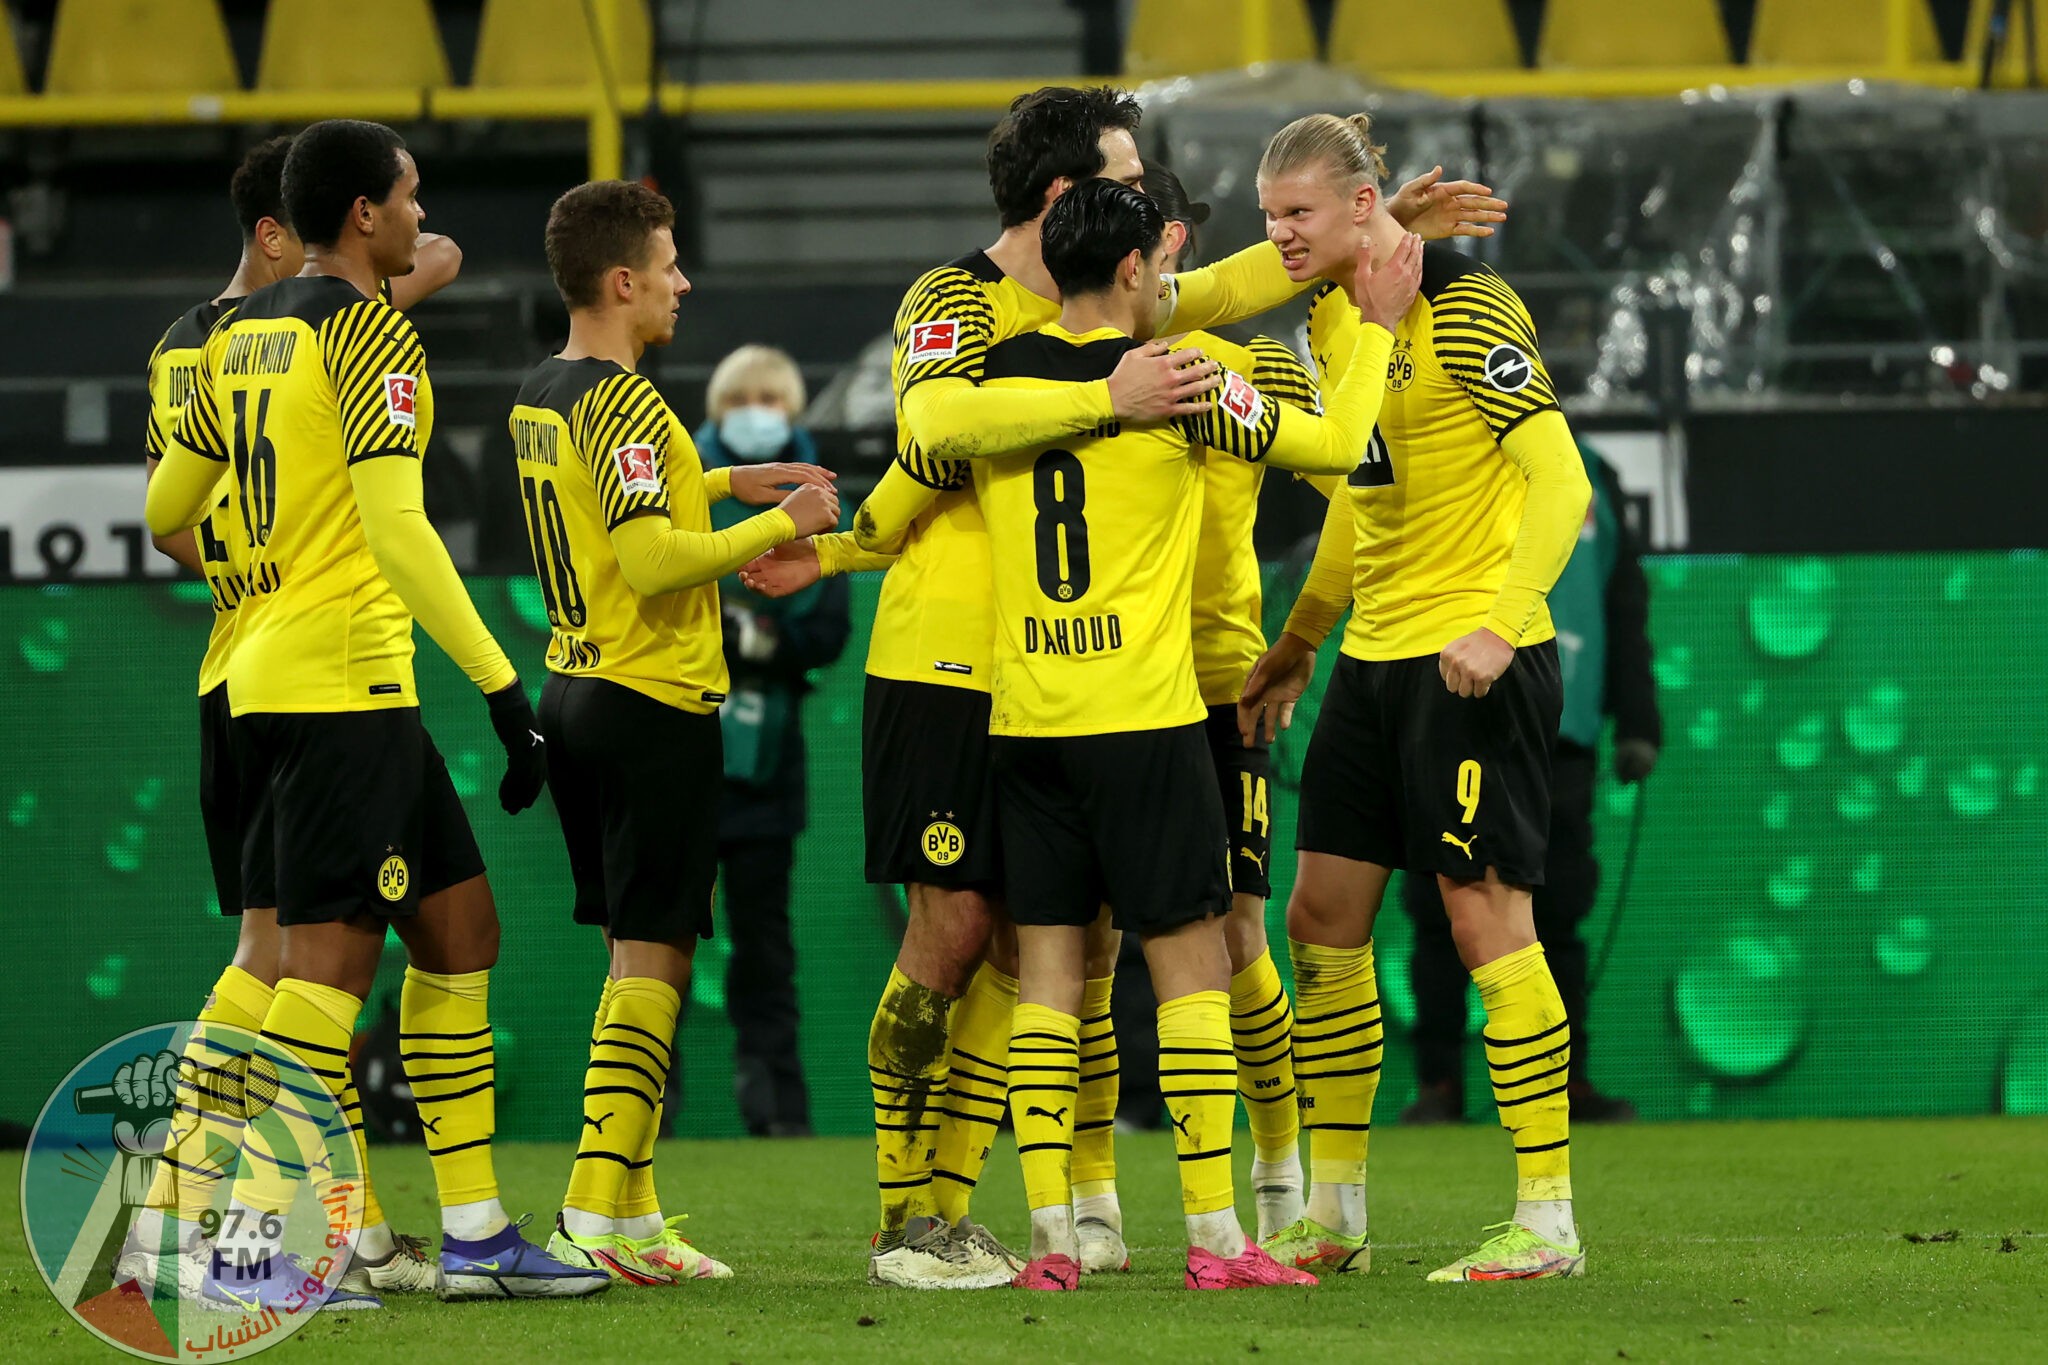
1246,853
1056,1115
1464,844
933,341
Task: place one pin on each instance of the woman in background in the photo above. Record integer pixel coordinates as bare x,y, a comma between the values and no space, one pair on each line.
771,645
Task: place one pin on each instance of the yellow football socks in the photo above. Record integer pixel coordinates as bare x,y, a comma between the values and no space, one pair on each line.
1045,1074
207,1129
1528,1055
1095,1109
444,1038
907,1072
1262,1032
622,1089
1337,1048
312,1025
1198,1078
978,1054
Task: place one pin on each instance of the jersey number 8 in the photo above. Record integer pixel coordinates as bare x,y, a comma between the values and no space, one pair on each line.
1061,492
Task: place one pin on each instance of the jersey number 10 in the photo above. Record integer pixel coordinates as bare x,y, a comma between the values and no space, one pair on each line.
1061,492
549,536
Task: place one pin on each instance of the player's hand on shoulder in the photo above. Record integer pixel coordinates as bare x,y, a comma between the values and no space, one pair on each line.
813,507
1276,683
1434,208
762,485
1153,384
526,753
783,571
1383,290
1471,664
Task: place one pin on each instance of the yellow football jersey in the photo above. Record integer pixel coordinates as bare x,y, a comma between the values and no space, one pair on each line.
173,368
1436,506
934,621
597,445
1228,600
305,379
1093,545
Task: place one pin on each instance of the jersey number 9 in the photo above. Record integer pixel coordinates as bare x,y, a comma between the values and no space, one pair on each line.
549,537
255,467
1061,492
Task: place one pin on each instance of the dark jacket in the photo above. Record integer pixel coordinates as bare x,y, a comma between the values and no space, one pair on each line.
763,712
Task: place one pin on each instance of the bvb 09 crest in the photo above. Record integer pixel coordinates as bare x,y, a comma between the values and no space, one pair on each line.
191,1191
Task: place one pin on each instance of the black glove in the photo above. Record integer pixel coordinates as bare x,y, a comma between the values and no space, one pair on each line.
1633,759
526,753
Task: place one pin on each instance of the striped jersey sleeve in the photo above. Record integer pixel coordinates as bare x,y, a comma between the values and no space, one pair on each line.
155,432
1279,373
944,475
377,365
944,328
1241,423
199,425
621,429
1486,343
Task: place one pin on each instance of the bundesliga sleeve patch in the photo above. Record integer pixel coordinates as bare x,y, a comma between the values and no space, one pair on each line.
401,397
1241,400
933,341
637,472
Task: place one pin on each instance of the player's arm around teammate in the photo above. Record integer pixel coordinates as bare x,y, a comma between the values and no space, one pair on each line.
1448,537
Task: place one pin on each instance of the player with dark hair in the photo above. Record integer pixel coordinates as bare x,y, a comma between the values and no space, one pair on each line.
1431,751
618,510
241,996
1105,789
313,401
939,1039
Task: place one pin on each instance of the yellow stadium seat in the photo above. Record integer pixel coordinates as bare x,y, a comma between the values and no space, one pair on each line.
320,45
548,42
118,47
1590,34
12,82
2011,69
1375,36
1837,33
1181,37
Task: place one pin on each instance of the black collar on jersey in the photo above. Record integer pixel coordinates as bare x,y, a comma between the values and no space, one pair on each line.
978,264
1042,355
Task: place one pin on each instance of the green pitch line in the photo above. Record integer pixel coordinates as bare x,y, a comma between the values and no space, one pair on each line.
1786,1240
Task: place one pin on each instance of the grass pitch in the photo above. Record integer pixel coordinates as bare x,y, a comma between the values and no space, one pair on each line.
1889,1240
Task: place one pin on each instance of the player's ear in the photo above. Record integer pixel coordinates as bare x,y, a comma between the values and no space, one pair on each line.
270,235
1059,186
1364,202
622,283
1176,238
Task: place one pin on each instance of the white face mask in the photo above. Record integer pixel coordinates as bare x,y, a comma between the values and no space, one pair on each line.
754,433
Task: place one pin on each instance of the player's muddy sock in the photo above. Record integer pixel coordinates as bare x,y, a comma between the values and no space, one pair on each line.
907,1073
